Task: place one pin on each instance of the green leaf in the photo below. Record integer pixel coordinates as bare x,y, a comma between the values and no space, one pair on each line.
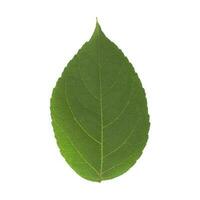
99,111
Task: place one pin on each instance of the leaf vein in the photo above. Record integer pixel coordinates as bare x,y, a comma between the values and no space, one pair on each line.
79,124
81,155
113,84
121,163
86,86
101,105
123,143
118,116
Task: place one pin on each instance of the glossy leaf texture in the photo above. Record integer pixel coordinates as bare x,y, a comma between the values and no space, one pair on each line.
99,111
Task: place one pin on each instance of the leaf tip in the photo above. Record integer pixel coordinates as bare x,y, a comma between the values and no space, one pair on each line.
97,31
98,27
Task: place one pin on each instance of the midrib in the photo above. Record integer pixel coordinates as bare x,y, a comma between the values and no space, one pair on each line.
100,100
101,113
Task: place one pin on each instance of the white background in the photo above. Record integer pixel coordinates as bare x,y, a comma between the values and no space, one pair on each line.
161,39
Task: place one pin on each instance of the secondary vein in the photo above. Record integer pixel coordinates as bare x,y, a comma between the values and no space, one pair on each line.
78,123
80,154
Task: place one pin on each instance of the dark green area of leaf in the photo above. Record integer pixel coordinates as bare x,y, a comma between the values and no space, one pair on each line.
99,111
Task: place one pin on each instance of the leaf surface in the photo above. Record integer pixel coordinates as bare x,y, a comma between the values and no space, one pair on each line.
99,111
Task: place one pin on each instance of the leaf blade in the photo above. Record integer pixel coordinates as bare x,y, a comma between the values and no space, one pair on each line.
97,103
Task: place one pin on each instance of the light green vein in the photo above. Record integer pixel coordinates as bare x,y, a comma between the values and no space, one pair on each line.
118,116
121,112
83,158
78,123
113,84
123,143
117,165
101,110
100,97
86,86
